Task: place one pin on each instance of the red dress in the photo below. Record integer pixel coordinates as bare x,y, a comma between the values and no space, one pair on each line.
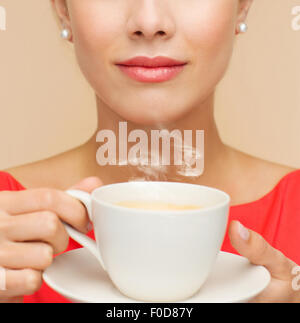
276,216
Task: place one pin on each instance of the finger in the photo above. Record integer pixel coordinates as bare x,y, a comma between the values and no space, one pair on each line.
19,255
38,226
88,184
65,206
68,208
19,283
17,299
254,247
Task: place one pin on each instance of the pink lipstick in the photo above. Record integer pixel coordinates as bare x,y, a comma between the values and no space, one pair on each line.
151,70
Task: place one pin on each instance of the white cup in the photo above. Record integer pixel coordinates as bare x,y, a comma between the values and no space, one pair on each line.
155,255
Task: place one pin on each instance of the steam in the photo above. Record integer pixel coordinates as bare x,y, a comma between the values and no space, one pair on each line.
189,170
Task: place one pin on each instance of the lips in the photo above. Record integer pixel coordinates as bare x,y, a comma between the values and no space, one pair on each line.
157,69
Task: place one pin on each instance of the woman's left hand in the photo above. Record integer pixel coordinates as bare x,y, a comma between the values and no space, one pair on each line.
285,274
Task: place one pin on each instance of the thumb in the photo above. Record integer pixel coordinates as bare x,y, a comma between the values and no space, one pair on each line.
87,184
259,252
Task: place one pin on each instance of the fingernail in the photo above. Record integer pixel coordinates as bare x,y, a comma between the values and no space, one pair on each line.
243,232
90,226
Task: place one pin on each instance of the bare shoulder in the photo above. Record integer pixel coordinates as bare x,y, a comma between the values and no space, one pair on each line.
270,172
257,176
58,171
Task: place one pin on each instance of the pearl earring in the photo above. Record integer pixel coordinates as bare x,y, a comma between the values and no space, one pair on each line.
242,27
65,34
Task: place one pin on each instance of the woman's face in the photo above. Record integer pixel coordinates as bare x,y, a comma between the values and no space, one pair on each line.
198,32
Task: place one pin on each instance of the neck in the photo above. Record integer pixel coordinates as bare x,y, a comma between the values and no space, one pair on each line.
199,118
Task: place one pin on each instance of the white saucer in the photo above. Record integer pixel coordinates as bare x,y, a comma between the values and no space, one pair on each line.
77,276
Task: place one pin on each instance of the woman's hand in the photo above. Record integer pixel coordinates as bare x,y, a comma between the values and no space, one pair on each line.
252,246
31,232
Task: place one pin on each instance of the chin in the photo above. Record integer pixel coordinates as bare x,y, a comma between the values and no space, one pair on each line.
147,121
144,118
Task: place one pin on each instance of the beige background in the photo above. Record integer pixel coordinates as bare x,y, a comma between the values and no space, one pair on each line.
47,106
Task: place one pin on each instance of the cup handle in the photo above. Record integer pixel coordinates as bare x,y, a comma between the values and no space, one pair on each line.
79,237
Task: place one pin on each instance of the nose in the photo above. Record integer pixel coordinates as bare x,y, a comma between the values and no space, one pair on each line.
150,19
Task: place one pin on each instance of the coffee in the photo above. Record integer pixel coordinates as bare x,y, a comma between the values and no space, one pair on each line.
156,205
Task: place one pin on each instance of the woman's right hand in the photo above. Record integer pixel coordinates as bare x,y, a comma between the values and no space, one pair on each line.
31,232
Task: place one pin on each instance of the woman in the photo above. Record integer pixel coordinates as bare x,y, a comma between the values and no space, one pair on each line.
201,35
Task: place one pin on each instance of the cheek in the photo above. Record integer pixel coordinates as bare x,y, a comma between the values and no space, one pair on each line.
210,31
95,25
211,23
